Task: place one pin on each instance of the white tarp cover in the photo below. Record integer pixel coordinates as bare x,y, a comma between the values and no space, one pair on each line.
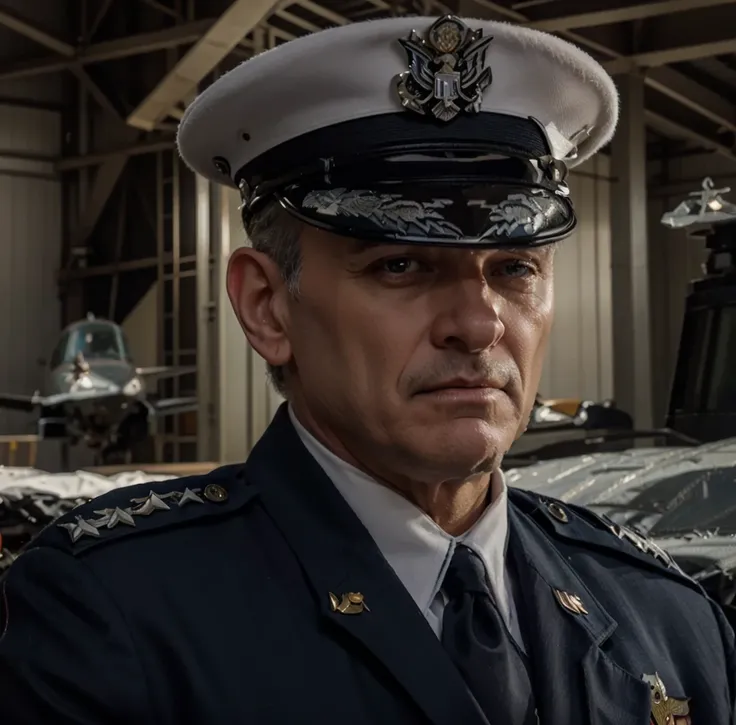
80,484
684,498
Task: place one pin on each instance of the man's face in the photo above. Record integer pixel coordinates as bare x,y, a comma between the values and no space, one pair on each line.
423,360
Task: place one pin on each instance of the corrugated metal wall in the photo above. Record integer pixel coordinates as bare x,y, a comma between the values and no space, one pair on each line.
259,398
579,362
30,244
30,215
580,358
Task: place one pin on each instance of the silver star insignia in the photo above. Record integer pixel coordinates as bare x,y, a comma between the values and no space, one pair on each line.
80,528
112,517
190,496
151,503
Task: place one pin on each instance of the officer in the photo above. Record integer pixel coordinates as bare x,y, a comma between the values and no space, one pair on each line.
404,187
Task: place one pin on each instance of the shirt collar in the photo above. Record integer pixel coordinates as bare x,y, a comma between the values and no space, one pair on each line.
417,549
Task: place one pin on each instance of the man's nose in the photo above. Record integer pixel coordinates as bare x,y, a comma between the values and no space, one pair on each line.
469,320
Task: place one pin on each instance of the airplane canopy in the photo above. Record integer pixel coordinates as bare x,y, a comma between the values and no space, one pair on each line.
94,340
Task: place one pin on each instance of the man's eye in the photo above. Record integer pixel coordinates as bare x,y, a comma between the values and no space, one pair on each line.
516,268
399,265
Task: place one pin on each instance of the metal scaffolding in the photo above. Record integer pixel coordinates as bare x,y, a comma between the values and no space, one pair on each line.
168,245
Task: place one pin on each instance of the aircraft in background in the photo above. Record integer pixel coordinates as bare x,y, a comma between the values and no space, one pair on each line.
95,394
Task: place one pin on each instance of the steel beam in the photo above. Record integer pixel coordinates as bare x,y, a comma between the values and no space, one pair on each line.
105,270
640,11
74,293
232,358
119,241
131,265
16,23
665,80
205,407
201,59
102,12
23,165
95,91
146,42
164,9
297,21
677,130
680,54
722,69
160,264
81,162
632,359
502,10
139,44
688,93
323,12
105,182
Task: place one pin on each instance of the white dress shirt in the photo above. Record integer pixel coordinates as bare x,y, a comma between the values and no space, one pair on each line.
417,549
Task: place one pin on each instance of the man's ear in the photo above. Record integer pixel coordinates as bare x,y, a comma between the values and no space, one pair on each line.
257,293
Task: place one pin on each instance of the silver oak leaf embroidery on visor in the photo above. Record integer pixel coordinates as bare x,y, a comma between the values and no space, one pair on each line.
389,211
517,215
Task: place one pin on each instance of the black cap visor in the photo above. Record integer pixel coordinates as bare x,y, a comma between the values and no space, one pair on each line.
497,203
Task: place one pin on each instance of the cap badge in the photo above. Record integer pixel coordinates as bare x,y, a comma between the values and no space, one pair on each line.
447,72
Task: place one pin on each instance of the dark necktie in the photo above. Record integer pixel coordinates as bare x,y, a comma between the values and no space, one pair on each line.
478,641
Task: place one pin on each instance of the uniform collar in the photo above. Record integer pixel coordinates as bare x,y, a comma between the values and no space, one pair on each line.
417,549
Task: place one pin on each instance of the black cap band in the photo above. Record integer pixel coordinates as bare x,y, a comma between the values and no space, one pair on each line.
488,179
397,133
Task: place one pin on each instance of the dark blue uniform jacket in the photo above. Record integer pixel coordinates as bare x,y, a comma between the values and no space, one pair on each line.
209,603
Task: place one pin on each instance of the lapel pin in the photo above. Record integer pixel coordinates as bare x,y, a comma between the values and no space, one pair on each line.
350,603
666,710
571,602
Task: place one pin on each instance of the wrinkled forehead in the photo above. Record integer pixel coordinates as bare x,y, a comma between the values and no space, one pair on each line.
326,252
353,247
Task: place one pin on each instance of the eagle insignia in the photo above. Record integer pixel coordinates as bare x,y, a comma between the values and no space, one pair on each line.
447,72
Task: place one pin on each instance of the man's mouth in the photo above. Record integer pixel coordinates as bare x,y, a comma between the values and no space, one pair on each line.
462,384
464,391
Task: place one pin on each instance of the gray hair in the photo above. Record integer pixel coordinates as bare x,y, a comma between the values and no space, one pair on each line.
275,232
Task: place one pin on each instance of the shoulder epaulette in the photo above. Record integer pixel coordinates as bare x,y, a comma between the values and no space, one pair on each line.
146,507
580,523
629,535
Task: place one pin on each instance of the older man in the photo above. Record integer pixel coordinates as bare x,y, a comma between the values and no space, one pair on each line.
403,188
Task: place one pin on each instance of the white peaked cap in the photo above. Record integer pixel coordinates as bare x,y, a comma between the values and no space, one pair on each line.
349,72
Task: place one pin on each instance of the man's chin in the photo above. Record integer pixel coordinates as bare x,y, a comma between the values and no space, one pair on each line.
464,447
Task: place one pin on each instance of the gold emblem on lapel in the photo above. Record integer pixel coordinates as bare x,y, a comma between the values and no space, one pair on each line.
666,710
571,602
350,603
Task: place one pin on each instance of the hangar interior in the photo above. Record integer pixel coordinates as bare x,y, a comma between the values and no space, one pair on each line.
98,214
